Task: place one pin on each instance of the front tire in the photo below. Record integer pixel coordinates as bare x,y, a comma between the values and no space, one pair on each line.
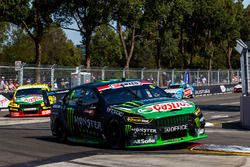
61,133
115,135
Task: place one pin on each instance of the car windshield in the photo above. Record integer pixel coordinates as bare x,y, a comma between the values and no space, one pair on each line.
125,94
32,91
175,86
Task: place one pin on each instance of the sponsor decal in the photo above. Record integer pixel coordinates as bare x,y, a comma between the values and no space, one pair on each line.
143,130
223,88
187,92
82,121
144,141
165,107
29,109
70,122
174,128
115,112
120,85
203,91
125,84
46,112
128,129
32,99
4,102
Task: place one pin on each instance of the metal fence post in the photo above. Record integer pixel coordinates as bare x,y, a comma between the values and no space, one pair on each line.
158,77
21,74
103,72
124,73
78,71
228,77
218,79
52,80
173,76
197,77
208,77
142,73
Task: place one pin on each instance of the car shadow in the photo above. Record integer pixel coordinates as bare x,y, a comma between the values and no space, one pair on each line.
220,108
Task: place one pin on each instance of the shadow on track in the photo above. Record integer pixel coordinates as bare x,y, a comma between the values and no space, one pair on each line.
220,108
101,150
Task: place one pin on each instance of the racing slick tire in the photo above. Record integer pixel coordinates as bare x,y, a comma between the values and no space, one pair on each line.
61,132
115,135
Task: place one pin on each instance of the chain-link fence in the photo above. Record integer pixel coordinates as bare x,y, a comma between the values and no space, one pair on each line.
60,77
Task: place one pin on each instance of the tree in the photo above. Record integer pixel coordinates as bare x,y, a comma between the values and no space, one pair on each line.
3,37
106,48
34,17
127,15
57,49
87,15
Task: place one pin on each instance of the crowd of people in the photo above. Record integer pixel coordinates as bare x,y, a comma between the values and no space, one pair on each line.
8,85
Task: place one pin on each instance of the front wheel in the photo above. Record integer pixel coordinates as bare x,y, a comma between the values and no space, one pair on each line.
115,136
61,133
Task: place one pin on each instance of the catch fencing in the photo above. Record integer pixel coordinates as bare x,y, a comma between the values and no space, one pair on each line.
62,77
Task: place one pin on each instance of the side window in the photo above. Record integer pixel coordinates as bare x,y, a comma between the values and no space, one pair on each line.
88,97
73,97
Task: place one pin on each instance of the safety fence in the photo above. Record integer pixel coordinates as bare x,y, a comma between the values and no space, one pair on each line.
62,77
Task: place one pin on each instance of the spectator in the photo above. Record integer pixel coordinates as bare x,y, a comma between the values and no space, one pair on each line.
6,85
15,84
204,80
2,84
11,85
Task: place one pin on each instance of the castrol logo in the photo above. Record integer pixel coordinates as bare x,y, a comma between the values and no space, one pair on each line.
165,107
32,99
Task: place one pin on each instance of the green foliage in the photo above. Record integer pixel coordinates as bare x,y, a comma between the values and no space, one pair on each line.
57,49
105,48
148,33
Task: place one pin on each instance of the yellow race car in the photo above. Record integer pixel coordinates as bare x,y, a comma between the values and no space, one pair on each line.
31,100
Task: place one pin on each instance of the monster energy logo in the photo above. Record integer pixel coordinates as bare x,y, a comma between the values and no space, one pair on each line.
128,129
70,119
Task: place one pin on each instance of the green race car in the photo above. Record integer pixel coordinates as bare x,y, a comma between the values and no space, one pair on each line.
125,114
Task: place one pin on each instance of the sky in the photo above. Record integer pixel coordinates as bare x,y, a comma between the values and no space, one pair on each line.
75,37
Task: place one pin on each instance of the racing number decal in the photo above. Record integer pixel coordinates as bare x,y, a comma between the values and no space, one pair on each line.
70,119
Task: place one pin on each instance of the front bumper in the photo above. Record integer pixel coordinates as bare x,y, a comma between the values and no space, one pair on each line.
166,131
160,142
29,112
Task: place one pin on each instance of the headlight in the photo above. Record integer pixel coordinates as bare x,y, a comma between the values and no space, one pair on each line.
197,111
138,120
12,104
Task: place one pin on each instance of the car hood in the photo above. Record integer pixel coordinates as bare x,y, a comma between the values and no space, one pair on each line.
29,99
157,108
173,90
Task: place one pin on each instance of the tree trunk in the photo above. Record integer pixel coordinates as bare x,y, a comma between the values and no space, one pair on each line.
128,58
38,59
128,51
229,56
119,27
182,50
87,47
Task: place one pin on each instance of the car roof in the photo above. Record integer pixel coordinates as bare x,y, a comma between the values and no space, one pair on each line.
29,86
102,83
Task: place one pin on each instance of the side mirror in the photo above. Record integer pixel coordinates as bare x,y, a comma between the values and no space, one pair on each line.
52,99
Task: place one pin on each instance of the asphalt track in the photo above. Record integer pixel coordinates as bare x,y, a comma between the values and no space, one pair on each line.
28,142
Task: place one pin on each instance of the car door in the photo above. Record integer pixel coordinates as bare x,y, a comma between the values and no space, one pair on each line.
88,114
69,110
